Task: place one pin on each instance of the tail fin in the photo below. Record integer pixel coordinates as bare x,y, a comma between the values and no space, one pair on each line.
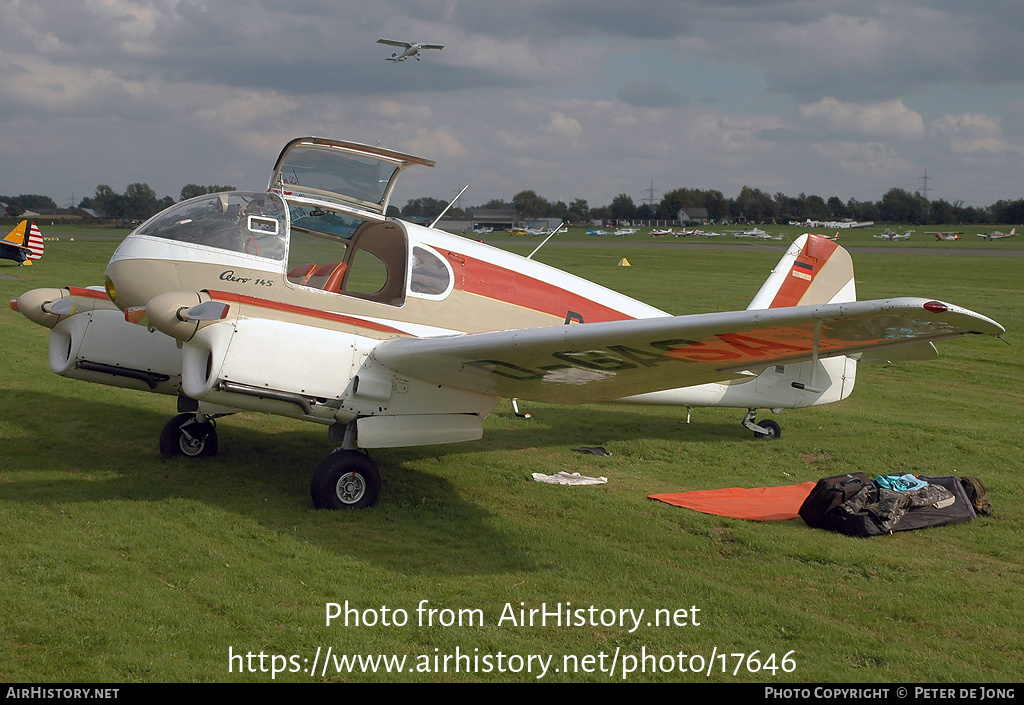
814,270
27,237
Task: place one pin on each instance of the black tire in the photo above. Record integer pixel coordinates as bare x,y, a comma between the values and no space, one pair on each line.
183,436
346,479
774,430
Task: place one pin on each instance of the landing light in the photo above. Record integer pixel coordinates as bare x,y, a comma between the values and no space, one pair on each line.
936,307
109,286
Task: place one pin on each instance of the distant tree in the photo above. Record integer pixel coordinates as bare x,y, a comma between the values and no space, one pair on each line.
836,207
622,207
753,204
107,201
717,205
423,207
496,204
579,210
1007,211
142,201
35,202
862,211
530,205
942,212
814,208
901,206
192,190
559,210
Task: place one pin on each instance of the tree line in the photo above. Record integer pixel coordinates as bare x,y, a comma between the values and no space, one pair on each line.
752,205
139,201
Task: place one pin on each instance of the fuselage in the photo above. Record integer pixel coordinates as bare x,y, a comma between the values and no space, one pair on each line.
397,278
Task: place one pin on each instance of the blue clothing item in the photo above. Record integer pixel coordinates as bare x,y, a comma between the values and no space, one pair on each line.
900,483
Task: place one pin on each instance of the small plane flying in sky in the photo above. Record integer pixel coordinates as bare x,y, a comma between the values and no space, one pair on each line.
307,301
945,235
24,244
997,235
409,49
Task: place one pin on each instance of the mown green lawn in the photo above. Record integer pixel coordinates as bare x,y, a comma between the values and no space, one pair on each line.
118,565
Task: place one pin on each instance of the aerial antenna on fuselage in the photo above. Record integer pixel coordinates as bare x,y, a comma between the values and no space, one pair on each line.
450,204
551,235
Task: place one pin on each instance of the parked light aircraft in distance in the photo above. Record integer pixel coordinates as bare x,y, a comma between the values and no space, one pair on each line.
893,235
308,302
997,235
546,231
945,235
410,49
23,245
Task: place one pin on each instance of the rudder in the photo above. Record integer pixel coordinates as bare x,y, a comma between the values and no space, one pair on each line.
814,270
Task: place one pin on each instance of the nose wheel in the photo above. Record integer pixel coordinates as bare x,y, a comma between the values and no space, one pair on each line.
346,479
188,436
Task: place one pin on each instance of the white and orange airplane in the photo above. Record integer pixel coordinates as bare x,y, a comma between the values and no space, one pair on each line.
998,235
945,235
306,301
23,245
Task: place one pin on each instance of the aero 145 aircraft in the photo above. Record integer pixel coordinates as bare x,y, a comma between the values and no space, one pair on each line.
306,301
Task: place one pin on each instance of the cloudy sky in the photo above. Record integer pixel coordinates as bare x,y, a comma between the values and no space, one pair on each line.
571,98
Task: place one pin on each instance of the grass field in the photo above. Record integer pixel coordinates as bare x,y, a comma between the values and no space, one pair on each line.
117,565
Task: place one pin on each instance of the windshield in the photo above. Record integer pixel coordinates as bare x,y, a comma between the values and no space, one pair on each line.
254,223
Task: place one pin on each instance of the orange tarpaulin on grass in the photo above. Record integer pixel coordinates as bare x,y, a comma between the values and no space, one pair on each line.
757,504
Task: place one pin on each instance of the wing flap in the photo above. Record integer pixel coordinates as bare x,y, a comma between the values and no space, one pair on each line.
609,360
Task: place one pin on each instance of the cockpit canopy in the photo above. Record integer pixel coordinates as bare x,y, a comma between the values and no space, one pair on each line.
254,223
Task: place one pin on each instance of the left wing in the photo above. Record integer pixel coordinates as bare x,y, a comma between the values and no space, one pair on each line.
609,360
394,43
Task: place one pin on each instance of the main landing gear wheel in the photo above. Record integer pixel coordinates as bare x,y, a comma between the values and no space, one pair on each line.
774,430
346,479
765,430
183,435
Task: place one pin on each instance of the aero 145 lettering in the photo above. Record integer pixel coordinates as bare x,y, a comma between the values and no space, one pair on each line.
306,301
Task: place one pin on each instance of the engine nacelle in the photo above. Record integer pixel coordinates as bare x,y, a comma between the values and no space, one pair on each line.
100,346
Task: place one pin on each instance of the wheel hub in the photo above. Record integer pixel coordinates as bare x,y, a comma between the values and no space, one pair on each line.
350,487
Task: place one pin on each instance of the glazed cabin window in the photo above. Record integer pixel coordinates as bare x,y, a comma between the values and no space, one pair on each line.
430,275
253,223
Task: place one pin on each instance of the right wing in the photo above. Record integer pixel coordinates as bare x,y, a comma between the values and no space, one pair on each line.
610,360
